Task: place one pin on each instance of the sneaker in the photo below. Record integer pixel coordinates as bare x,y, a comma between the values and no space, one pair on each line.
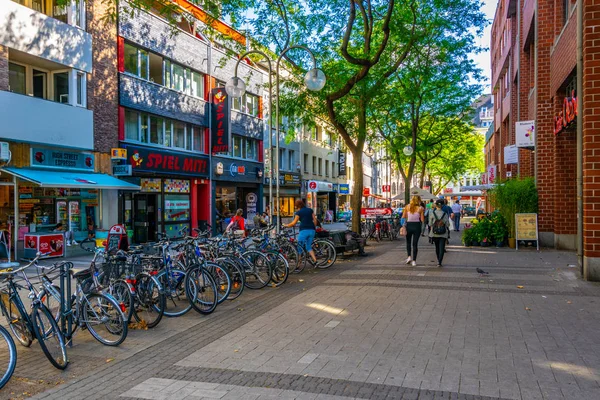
414,263
75,243
68,244
408,260
439,265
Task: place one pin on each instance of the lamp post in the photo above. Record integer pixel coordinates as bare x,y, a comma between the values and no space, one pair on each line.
314,80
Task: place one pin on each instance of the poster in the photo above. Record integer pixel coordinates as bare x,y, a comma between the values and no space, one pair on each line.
525,134
150,185
526,228
177,186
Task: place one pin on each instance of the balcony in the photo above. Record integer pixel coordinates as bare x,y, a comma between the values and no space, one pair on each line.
37,34
30,119
527,16
489,114
498,119
246,125
506,106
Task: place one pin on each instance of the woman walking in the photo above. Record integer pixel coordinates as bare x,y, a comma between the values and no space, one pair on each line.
439,221
413,213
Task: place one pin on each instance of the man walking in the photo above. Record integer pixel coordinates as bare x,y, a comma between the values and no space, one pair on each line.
456,213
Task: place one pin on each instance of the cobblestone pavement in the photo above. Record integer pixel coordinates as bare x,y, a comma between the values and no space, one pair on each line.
366,328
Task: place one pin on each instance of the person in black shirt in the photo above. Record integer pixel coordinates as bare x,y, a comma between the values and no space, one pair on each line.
308,222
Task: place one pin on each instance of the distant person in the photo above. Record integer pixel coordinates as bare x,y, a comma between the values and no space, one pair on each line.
414,215
259,221
456,213
237,223
440,229
308,226
69,238
448,210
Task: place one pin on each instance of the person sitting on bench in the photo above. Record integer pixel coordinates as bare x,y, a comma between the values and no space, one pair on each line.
68,234
355,238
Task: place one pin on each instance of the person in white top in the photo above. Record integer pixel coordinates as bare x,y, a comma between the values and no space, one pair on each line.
456,213
414,215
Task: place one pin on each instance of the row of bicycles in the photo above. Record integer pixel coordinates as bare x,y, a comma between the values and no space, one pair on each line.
381,227
138,286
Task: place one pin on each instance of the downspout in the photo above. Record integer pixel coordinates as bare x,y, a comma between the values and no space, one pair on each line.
518,68
580,251
211,207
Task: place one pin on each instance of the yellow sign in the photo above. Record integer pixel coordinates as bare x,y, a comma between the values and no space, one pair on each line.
118,154
526,226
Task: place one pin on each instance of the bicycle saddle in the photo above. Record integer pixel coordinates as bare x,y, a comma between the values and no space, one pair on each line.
9,265
84,273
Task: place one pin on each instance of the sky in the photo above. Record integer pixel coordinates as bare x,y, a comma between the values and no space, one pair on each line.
483,59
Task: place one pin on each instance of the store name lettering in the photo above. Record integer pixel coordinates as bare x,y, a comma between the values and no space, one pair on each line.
568,114
173,163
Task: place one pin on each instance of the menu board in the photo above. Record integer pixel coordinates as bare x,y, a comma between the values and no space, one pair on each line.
526,227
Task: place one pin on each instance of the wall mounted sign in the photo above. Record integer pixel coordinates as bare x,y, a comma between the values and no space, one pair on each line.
567,115
219,168
344,188
235,169
525,134
4,151
291,179
58,159
386,188
511,154
319,186
122,170
167,162
366,192
220,120
342,163
118,154
491,174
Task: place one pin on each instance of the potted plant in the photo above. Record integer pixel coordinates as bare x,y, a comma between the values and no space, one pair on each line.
468,236
485,242
499,230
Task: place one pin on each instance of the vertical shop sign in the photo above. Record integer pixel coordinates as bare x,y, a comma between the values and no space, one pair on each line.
220,121
251,204
342,163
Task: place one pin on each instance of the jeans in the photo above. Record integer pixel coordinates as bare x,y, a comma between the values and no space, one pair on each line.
413,234
305,238
440,248
456,221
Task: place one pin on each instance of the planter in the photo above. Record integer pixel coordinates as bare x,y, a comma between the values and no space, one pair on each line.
485,244
512,243
475,243
500,243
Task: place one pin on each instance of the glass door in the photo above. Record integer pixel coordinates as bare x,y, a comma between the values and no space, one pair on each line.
144,212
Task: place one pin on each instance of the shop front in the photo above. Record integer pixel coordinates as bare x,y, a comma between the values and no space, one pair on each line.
289,192
322,197
236,184
174,193
58,187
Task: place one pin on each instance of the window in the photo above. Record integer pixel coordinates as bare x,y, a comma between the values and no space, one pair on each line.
483,110
131,59
60,12
281,164
333,172
292,161
16,78
567,7
244,147
320,166
305,163
156,68
61,87
198,139
197,84
179,135
132,129
40,85
326,167
144,128
178,78
248,104
314,165
168,141
80,88
156,130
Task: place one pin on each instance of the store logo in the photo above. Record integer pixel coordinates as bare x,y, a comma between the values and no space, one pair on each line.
312,185
89,162
251,198
136,159
233,169
219,168
86,181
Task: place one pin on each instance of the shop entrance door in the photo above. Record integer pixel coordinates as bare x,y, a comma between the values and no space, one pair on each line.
144,212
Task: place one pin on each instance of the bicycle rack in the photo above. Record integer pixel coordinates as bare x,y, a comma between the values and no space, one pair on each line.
66,290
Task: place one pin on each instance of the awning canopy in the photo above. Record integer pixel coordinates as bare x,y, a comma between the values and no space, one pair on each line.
60,179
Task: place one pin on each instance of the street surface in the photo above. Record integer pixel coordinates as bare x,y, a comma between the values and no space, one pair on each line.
366,328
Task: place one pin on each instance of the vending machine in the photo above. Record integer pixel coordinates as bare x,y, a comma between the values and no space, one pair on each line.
62,214
74,216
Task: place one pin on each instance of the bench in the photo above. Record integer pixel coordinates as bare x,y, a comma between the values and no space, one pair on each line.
341,244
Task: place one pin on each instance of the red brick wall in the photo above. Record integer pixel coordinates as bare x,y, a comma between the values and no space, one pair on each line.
3,67
564,55
565,172
544,116
103,86
591,129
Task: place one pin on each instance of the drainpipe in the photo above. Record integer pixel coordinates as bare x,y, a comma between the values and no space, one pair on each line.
518,67
211,208
580,251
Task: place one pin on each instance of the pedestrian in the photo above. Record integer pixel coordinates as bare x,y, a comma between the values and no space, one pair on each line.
440,229
425,214
448,210
308,225
69,237
237,223
456,213
414,215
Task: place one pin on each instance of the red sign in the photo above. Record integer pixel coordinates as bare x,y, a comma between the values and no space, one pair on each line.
567,115
375,211
52,245
366,192
448,190
221,116
117,239
386,188
313,185
155,160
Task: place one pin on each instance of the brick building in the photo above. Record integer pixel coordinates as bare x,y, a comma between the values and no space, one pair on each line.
534,77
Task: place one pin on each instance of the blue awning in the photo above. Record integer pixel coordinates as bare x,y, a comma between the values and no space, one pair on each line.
60,179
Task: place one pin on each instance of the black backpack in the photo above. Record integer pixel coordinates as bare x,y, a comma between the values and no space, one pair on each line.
439,226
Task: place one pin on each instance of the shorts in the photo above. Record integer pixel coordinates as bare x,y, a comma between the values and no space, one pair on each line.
305,238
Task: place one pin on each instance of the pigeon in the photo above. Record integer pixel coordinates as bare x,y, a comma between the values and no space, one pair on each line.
482,272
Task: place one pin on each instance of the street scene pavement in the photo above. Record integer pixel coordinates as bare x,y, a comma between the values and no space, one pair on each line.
365,328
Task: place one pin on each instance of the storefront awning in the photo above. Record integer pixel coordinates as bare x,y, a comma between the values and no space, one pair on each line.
62,179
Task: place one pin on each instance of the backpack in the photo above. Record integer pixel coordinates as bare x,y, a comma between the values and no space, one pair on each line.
439,227
236,224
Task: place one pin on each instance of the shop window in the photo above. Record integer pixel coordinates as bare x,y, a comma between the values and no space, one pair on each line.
225,200
156,68
286,206
132,129
16,78
61,87
179,135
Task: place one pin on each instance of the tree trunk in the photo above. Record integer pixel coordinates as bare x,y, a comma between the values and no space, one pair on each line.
408,186
356,201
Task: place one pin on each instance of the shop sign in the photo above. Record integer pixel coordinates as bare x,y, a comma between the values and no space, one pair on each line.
47,158
342,163
291,179
177,186
526,227
319,186
221,120
29,201
151,185
448,190
151,160
219,168
122,170
525,133
118,154
235,169
4,151
372,212
484,178
344,188
511,154
177,204
267,158
567,115
386,188
491,174
251,205
366,192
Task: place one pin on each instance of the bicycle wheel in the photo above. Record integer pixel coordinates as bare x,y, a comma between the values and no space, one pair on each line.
303,257
290,253
16,323
325,252
149,301
104,318
201,290
122,292
236,274
48,334
281,269
176,301
222,280
8,352
257,268
50,297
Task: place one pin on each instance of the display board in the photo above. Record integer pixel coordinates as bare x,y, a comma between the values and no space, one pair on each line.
526,228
